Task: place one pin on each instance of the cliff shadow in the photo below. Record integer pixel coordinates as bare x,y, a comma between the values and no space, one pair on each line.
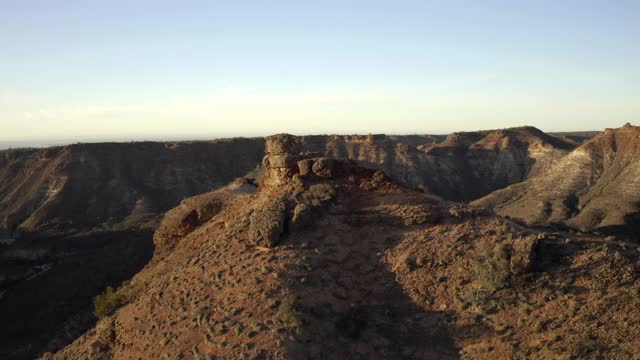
48,286
349,304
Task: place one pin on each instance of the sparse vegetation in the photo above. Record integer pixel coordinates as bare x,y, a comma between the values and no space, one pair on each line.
492,267
107,302
287,313
319,194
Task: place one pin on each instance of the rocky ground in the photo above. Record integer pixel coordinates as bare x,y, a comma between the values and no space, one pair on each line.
326,259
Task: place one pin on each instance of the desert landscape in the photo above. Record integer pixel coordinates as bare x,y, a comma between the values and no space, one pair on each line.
319,180
509,243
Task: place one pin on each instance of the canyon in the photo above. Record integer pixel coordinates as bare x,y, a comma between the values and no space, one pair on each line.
596,187
85,216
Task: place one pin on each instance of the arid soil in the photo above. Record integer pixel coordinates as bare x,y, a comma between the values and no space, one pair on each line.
326,259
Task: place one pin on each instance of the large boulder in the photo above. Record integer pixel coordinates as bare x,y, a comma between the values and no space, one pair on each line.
267,223
324,167
283,144
305,167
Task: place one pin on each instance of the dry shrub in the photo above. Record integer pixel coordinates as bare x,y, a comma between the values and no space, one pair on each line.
319,194
492,267
288,314
107,302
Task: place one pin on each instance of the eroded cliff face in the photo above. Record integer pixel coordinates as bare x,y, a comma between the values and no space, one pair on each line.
596,186
460,167
81,187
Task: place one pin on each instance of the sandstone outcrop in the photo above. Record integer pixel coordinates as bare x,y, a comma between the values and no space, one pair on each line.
289,194
282,153
196,211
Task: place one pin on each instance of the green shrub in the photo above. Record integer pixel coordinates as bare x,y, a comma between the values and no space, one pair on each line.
105,303
287,313
492,267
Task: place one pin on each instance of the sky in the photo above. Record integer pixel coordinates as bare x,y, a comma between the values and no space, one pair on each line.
82,70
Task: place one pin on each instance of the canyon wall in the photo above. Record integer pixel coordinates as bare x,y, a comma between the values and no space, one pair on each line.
595,187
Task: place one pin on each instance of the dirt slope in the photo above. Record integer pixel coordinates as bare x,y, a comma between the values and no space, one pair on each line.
330,260
595,187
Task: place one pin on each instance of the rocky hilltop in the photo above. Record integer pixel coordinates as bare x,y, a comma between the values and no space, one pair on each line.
595,187
327,259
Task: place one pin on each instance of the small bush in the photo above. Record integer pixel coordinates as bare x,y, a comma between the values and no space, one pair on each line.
481,299
319,194
492,268
105,303
287,313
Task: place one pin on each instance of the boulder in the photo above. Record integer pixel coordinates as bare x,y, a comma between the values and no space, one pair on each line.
324,167
301,216
283,144
305,167
523,254
267,223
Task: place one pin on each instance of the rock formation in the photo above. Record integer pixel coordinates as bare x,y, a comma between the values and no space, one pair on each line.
460,167
595,187
281,158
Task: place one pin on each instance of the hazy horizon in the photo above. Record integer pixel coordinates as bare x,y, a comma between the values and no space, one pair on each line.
42,142
156,69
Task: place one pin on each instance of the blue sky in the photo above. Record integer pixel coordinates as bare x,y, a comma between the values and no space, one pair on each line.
178,69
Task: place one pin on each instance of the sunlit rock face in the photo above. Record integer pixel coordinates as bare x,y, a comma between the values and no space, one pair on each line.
594,187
